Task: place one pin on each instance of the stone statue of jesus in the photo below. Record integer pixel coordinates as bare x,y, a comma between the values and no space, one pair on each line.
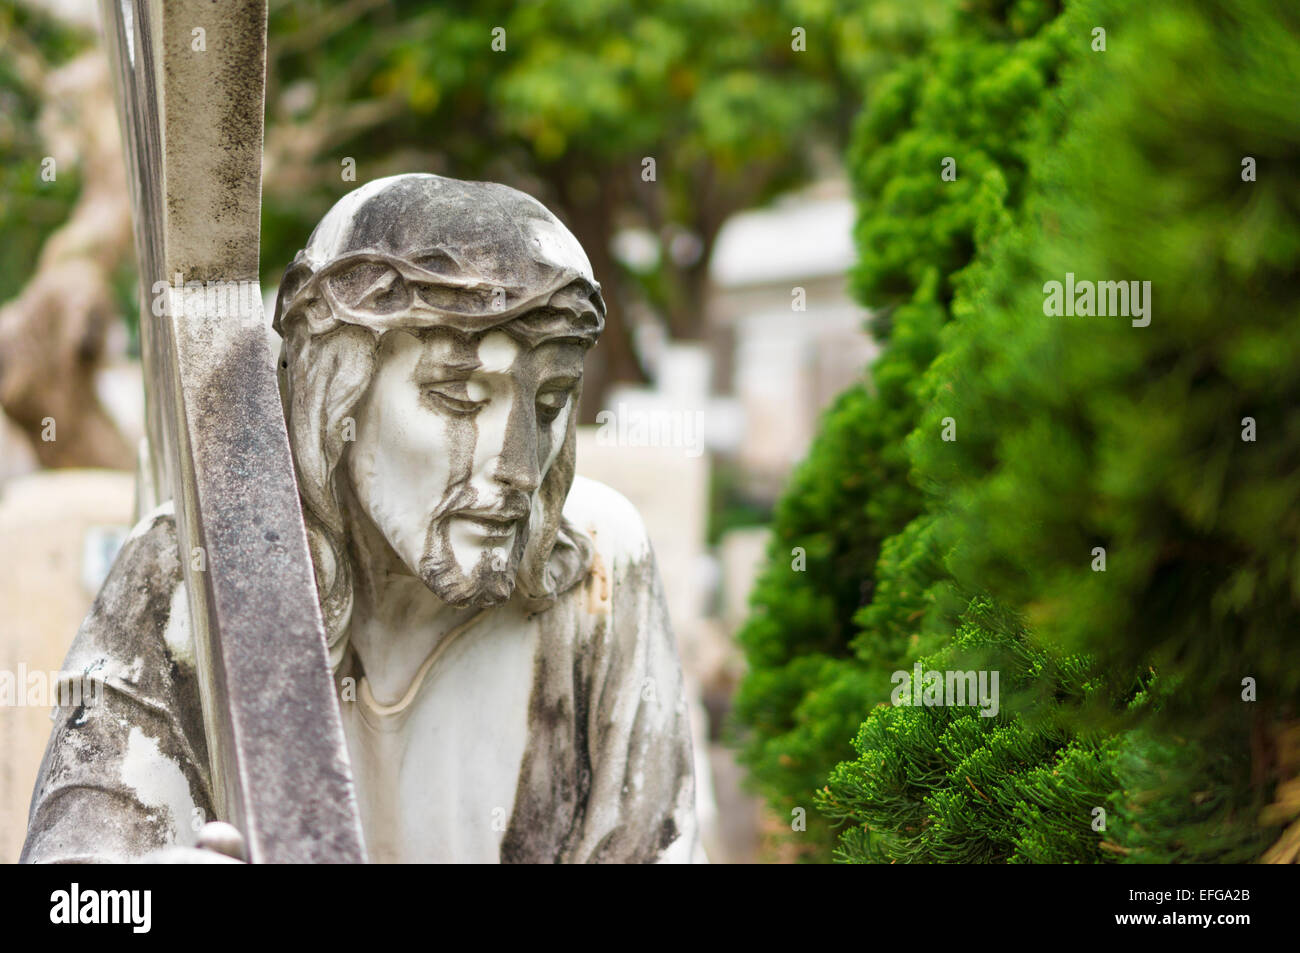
509,683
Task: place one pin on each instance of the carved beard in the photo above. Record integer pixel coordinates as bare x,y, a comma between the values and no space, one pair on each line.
489,583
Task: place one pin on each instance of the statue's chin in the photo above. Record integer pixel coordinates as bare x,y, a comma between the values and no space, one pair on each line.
481,590
490,582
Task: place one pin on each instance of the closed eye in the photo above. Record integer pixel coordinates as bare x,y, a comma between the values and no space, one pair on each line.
452,396
551,402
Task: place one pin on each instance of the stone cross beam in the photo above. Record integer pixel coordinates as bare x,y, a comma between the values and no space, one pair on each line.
191,80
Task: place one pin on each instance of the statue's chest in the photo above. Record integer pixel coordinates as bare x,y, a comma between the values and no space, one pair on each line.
437,782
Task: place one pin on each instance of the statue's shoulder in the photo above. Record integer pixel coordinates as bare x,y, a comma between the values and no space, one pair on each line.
140,612
149,556
609,520
152,539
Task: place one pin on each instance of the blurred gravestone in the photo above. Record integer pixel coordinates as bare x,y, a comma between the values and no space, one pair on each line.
45,522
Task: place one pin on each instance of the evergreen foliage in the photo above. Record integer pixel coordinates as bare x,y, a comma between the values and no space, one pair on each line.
1084,432
1079,432
951,785
822,642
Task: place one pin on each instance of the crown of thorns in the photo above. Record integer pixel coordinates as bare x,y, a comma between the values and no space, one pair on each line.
434,288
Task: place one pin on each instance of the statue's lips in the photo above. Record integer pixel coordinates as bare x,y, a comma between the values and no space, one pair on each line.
489,525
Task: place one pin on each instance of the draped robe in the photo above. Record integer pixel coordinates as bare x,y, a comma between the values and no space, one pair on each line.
559,736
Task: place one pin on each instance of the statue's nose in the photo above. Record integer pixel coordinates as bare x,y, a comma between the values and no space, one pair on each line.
516,465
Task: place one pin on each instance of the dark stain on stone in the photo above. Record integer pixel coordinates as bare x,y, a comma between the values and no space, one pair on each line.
668,833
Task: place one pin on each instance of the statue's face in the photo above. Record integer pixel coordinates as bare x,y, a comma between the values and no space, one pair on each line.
453,440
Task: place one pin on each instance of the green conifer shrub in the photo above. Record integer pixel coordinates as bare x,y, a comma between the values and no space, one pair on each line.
1087,434
941,784
822,641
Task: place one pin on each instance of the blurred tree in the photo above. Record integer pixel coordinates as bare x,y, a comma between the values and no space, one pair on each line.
64,211
30,207
570,100
566,99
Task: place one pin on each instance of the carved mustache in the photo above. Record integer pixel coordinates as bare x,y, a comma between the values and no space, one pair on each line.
511,509
461,499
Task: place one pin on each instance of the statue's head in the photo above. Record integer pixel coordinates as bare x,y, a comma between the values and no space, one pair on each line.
434,335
